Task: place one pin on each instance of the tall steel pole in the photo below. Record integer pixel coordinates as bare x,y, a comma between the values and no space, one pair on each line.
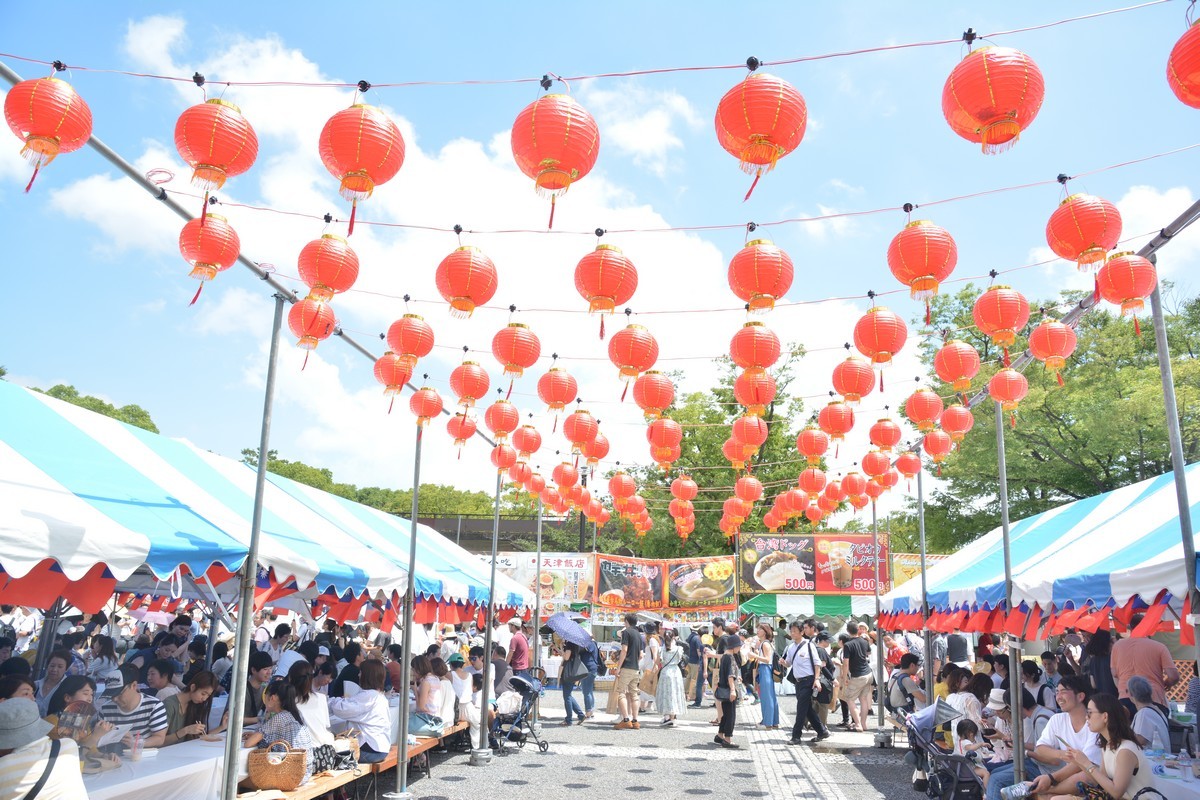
1014,653
925,632
537,603
483,754
410,607
880,685
583,476
1175,438
249,575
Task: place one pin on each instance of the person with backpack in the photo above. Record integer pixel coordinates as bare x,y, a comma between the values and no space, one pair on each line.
903,691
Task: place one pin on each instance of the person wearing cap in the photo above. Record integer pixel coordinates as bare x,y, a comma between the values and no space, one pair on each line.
30,760
518,650
126,705
460,681
449,643
903,689
695,665
725,689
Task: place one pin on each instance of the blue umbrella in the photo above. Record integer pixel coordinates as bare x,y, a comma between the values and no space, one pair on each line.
568,629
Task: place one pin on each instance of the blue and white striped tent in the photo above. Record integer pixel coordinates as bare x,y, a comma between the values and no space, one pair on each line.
1113,546
81,489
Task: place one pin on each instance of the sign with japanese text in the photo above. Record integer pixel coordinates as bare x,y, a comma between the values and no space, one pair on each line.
820,563
700,583
628,583
907,566
564,578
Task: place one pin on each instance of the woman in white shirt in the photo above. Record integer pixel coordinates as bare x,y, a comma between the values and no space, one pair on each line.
1124,769
366,713
970,699
314,706
104,659
1032,679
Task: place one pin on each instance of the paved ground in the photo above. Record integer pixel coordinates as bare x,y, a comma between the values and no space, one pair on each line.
595,762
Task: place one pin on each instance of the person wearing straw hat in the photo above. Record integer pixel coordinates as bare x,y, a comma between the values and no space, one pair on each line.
31,764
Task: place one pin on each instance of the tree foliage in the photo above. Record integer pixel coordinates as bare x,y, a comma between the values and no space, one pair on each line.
132,414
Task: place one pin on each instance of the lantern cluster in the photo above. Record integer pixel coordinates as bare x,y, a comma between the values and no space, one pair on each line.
409,339
683,492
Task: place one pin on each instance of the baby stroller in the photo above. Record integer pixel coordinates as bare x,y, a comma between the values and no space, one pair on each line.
946,776
517,727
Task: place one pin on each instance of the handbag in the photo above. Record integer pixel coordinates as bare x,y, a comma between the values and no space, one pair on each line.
269,768
426,725
721,693
573,670
325,759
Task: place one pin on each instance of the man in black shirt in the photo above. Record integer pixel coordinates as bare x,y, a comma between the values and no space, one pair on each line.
856,675
628,675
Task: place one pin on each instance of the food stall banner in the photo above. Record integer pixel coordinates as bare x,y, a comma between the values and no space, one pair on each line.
821,563
907,566
629,584
695,584
566,578
683,589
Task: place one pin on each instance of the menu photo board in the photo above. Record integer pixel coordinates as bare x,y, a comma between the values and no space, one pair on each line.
699,583
564,578
821,563
629,584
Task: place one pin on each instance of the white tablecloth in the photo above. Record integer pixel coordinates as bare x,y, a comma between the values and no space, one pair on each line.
553,666
1177,789
186,771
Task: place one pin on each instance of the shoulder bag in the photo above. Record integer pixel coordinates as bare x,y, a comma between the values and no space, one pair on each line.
55,747
573,669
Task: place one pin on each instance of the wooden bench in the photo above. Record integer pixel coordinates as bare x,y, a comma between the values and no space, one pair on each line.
317,787
423,745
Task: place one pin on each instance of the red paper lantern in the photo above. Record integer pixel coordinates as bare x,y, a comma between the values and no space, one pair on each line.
957,421
836,419
425,404
311,321
760,121
1083,229
853,379
519,472
210,246
632,350
526,440
503,457
1183,68
49,117
596,450
535,485
621,487
461,428
555,142
875,490
565,475
216,141
466,279
556,388
469,382
393,372
922,256
734,453
754,347
889,479
653,392
684,488
854,485
812,443
923,407
1008,388
580,427
1000,312
735,510
664,432
748,488
760,273
412,338
992,95
752,432
1052,343
876,463
827,504
795,501
328,266
909,463
517,348
754,389
956,363
833,490
680,509
811,482
814,514
859,501
502,419
879,335
1126,280
937,445
606,279
885,434
665,457
363,149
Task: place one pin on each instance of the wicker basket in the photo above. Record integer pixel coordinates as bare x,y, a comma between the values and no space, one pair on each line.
270,768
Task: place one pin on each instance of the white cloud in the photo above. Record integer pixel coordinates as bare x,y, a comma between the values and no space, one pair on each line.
842,186
151,41
1145,209
640,122
230,310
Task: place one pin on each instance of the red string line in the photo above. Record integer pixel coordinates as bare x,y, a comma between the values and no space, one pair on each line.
614,74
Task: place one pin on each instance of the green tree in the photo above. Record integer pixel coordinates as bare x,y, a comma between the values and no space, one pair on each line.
1103,429
132,414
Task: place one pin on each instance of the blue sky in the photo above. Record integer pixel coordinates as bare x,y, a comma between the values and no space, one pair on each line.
98,292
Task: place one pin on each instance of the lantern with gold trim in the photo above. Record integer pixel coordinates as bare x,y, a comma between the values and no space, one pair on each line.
411,337
759,121
1126,280
992,95
555,142
217,142
466,279
363,149
606,278
328,266
760,274
425,404
49,117
1083,229
1052,343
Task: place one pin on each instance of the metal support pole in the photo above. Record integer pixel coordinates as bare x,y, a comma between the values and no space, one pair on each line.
582,533
880,685
410,607
1014,652
458,533
1177,463
537,606
925,632
595,528
249,573
483,754
212,636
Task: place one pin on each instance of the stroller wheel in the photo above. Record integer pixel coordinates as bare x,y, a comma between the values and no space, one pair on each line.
543,746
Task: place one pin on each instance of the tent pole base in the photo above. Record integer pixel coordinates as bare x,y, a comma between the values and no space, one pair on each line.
481,758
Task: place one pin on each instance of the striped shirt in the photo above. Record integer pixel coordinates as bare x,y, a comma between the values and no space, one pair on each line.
23,767
149,717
